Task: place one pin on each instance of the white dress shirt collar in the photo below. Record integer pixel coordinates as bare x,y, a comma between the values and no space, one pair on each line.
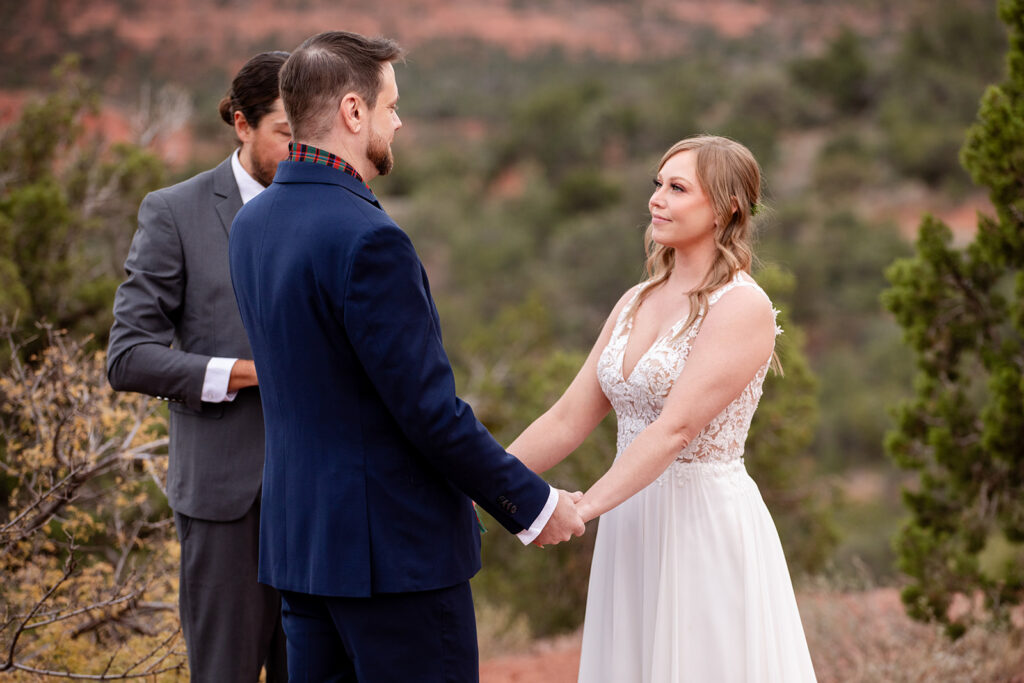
248,186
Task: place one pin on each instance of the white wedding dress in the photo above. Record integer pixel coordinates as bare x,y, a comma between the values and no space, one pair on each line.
689,581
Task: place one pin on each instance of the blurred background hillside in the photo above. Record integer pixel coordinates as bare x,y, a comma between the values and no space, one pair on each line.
531,132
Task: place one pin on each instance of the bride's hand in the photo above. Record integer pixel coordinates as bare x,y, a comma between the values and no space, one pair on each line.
584,510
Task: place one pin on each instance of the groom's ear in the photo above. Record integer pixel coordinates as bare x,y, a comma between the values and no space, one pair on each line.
352,112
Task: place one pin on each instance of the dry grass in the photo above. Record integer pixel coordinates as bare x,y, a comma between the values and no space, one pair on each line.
499,632
862,636
855,636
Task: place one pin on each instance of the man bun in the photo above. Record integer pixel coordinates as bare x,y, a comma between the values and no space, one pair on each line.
254,89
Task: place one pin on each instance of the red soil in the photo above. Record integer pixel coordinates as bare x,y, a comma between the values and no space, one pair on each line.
554,661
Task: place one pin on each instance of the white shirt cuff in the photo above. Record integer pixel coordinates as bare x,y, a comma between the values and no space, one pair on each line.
527,535
215,383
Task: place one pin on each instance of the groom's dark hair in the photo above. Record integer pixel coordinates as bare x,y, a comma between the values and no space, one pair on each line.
325,68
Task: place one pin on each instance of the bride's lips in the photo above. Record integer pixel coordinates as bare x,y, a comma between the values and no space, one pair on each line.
655,218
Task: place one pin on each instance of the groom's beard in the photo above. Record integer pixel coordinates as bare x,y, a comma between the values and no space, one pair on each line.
379,154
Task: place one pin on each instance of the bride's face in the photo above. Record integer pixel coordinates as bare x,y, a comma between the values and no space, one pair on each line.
681,214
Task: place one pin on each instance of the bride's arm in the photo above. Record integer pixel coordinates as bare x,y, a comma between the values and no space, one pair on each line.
735,340
559,431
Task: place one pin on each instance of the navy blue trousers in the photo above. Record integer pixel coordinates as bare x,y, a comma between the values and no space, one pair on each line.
427,637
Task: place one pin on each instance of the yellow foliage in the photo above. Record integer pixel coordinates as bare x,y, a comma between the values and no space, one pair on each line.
87,548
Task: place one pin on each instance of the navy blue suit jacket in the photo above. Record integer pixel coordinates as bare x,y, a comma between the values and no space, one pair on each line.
371,458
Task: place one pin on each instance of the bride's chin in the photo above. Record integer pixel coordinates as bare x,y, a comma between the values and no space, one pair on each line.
661,239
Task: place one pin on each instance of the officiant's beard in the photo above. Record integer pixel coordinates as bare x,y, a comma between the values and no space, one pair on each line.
379,153
263,169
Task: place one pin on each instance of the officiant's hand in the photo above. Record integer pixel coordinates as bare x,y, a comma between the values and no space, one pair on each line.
243,374
565,521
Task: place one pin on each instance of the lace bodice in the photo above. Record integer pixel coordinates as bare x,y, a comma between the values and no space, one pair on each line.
638,400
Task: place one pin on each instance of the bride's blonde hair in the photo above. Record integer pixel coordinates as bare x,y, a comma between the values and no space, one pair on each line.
730,177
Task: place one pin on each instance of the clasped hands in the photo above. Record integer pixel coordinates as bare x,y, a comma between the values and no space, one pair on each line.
565,521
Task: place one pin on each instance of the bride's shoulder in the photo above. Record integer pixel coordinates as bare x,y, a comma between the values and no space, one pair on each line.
630,294
620,306
628,297
743,291
742,302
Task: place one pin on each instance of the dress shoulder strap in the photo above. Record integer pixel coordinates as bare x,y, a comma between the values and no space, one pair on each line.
738,280
630,305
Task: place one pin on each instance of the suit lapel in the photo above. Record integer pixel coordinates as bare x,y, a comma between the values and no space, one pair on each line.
228,201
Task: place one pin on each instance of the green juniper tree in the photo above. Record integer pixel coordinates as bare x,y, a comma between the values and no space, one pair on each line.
67,210
962,311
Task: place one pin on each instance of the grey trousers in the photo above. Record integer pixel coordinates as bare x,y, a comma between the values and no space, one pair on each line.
232,624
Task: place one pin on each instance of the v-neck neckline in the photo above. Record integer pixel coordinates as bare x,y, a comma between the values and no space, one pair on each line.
738,279
629,333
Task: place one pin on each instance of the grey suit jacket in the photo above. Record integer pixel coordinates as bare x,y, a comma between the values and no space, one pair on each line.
175,311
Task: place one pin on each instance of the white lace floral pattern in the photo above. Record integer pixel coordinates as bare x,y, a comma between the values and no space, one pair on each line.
638,400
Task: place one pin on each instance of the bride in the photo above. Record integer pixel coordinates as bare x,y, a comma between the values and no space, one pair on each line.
689,581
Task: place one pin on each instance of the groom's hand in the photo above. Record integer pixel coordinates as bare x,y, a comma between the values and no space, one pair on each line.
565,521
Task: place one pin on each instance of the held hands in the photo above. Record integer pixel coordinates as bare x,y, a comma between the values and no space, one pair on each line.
565,521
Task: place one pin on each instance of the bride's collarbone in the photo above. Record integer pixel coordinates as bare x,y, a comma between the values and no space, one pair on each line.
652,323
656,317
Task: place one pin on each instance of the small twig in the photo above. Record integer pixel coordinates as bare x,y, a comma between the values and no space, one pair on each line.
127,549
110,661
93,677
84,610
167,654
34,505
69,567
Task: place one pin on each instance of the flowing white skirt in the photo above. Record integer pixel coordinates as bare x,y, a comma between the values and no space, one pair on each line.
689,583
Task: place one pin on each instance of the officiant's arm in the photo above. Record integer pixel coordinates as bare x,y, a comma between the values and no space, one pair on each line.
140,356
147,305
735,341
560,430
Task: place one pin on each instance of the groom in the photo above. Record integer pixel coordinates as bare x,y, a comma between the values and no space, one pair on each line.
372,460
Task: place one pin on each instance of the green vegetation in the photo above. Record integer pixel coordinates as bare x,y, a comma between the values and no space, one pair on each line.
524,184
539,234
68,201
962,312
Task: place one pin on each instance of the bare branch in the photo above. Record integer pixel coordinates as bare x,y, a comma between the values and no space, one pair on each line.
66,430
83,610
69,567
165,644
161,114
95,677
